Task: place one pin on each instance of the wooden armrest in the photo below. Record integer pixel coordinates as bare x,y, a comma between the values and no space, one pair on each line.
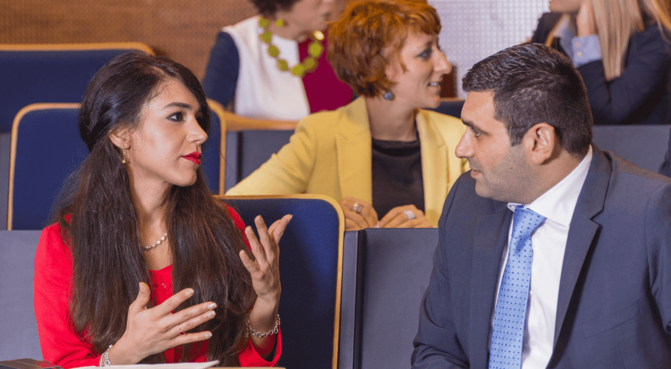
235,123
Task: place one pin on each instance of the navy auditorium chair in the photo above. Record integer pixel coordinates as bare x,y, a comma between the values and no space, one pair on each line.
51,73
17,321
250,143
643,145
310,270
46,147
385,274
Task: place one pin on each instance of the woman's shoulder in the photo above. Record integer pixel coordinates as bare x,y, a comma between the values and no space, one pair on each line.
329,120
52,248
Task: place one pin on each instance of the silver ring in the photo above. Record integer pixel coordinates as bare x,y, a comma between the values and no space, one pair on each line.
357,207
181,332
410,214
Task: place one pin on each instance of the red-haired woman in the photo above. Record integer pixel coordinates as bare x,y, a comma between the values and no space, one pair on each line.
388,162
143,264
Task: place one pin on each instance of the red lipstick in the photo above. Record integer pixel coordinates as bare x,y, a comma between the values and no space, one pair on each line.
193,157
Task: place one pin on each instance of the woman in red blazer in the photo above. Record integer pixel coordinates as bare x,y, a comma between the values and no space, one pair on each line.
143,264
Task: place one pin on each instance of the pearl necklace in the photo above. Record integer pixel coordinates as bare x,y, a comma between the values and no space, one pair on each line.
149,247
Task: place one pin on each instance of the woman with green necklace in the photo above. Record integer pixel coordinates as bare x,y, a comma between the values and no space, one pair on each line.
273,66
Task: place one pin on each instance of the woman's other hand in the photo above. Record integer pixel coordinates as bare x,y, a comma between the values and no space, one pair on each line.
154,330
265,272
406,216
265,269
585,20
358,214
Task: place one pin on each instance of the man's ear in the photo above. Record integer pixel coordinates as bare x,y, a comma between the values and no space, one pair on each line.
540,143
120,137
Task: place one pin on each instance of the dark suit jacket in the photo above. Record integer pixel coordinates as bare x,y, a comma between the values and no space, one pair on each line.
641,94
614,307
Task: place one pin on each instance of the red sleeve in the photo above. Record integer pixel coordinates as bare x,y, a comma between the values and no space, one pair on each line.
240,224
248,357
53,270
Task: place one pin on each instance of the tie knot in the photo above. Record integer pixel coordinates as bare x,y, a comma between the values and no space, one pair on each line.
525,222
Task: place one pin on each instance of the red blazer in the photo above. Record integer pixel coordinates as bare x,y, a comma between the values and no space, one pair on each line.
61,345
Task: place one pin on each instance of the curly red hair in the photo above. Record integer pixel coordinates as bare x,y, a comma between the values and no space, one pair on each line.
369,34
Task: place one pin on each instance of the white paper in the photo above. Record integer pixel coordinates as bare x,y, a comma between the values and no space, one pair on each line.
160,366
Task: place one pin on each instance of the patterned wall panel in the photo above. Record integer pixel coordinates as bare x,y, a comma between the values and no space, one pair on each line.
475,29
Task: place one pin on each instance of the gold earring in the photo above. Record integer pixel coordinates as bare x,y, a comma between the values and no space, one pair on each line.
123,160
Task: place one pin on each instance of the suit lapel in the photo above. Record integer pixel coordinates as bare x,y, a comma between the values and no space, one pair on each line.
491,236
581,232
434,167
354,152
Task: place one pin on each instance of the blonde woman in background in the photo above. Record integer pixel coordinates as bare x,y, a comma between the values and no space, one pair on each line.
621,49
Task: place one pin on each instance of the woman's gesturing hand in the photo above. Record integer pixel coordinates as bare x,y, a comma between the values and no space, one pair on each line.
265,269
406,216
154,330
358,214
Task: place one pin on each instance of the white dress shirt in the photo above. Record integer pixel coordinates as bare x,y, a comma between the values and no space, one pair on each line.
548,244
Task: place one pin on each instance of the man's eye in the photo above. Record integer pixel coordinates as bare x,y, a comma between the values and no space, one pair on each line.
475,133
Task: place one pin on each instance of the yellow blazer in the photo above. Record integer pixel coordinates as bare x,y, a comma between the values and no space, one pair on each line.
331,154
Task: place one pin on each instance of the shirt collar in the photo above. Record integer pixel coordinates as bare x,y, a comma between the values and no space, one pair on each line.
557,204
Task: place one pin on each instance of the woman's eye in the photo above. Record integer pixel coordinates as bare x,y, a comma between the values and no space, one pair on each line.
426,54
177,117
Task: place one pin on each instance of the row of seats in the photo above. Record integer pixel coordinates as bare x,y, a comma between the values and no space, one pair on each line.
349,299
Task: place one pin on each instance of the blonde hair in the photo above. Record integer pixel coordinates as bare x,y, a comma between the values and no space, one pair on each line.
616,22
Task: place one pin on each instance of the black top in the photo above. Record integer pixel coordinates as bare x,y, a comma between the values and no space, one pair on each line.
397,175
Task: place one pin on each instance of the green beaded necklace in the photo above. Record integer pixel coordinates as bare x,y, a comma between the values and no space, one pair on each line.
315,49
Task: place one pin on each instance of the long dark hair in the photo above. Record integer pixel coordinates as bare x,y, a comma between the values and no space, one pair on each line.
101,227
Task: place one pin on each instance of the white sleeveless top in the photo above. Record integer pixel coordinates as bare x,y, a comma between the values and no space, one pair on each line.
263,91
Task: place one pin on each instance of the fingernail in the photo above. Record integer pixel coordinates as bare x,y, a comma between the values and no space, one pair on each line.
290,217
208,334
189,292
211,314
211,306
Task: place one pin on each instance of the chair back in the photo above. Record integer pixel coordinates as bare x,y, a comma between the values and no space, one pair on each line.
450,106
45,149
310,270
51,73
643,145
17,321
385,274
214,150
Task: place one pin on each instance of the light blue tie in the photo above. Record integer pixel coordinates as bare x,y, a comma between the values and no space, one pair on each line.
511,307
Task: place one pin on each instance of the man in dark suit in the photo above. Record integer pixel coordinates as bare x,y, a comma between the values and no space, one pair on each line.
552,253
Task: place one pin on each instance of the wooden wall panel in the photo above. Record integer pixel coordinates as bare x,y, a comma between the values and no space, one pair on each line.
180,29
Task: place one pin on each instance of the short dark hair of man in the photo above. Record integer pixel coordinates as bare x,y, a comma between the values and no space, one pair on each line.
268,8
532,84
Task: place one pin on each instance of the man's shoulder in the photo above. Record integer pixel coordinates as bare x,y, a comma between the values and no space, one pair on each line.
464,200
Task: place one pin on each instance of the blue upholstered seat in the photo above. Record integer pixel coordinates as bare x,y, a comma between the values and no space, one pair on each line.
17,321
310,264
46,148
50,73
642,145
